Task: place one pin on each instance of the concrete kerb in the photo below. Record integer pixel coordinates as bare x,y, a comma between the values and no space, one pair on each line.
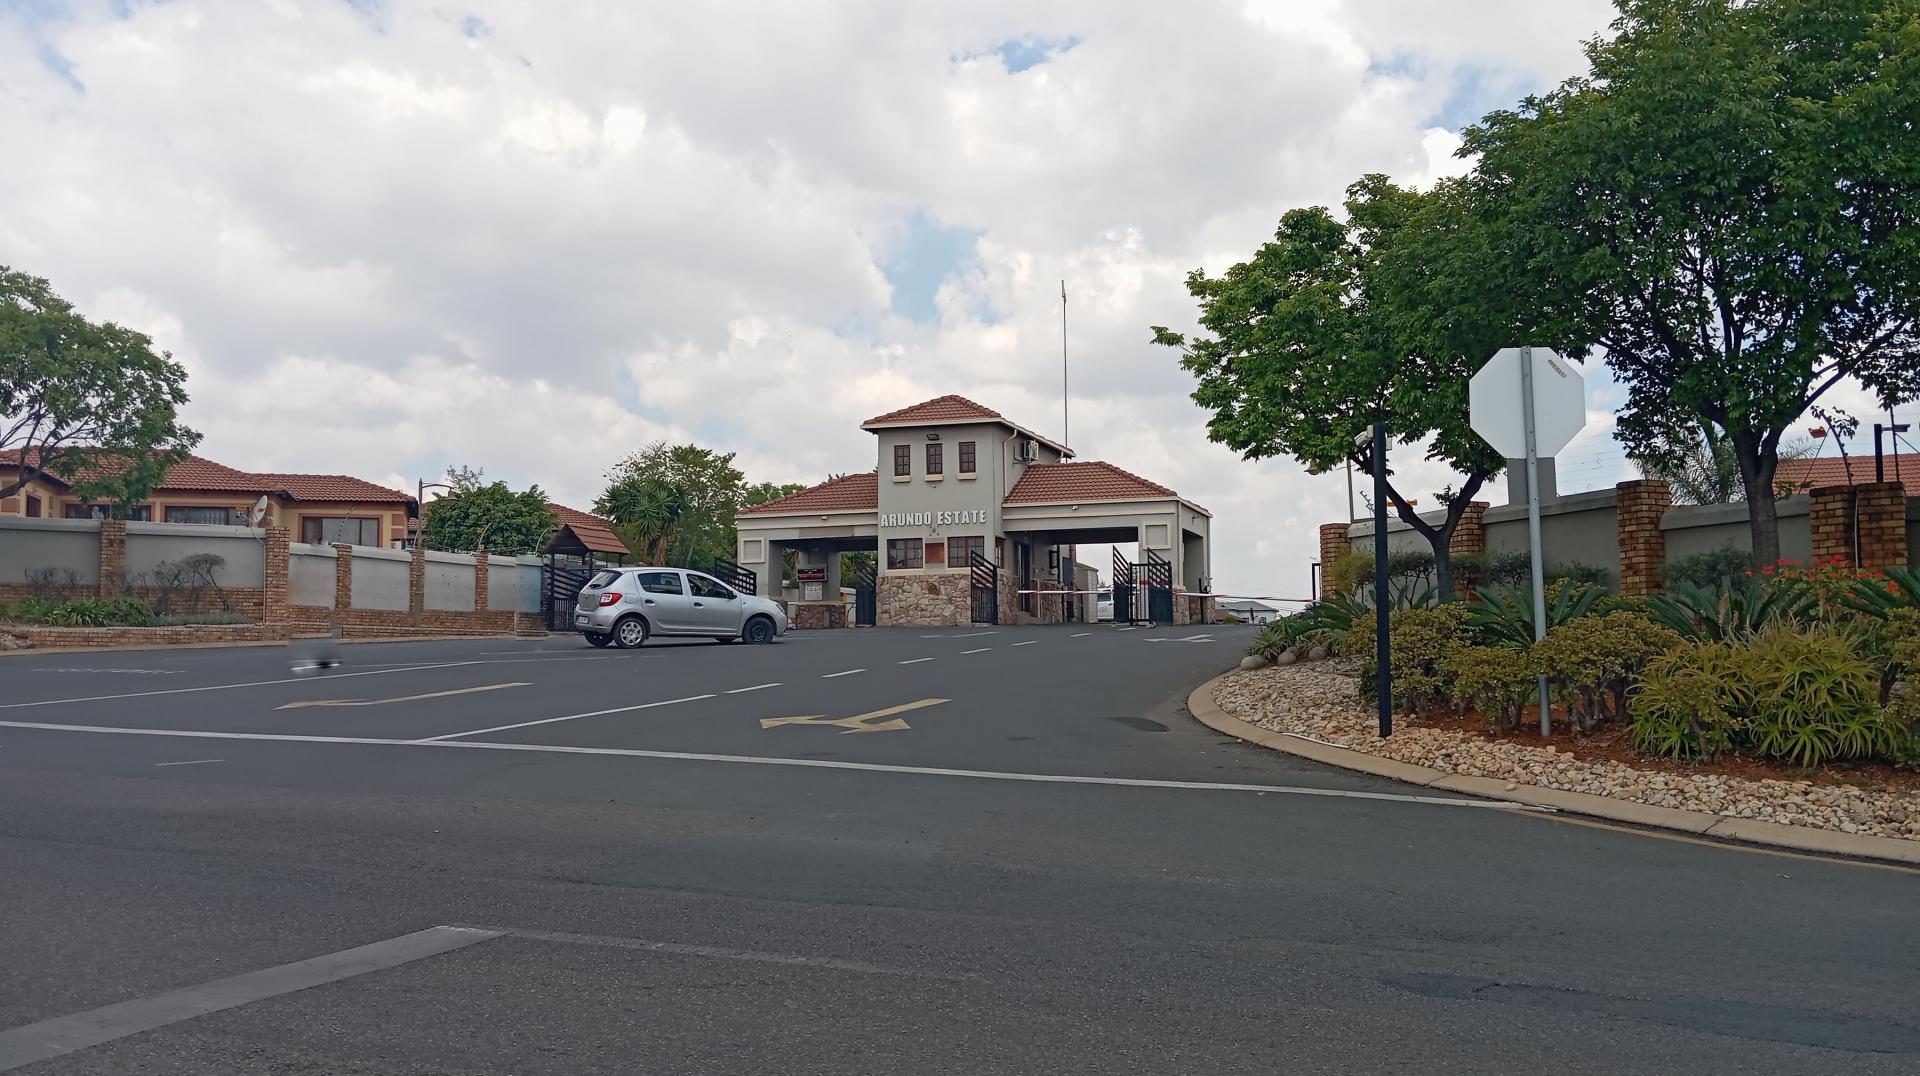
1697,823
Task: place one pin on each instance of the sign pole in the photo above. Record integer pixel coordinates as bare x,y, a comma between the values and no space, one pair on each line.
1533,526
1382,652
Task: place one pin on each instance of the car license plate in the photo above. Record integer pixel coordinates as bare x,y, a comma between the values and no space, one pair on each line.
580,620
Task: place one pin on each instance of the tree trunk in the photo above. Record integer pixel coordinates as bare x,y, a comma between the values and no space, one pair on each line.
1763,517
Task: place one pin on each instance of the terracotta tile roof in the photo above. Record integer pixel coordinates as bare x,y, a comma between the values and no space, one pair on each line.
1049,483
1795,476
940,409
594,532
198,473
848,493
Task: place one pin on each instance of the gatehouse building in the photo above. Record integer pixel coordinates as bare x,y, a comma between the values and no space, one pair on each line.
972,519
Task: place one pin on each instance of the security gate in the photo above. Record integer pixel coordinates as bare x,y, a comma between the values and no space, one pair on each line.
1122,589
866,598
744,580
562,585
1156,574
986,589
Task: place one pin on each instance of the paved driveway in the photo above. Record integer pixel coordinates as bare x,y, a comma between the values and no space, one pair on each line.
878,851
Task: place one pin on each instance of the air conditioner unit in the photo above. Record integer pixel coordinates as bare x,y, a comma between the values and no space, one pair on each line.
1026,451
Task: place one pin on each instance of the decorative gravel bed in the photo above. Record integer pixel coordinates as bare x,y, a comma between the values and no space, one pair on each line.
1318,699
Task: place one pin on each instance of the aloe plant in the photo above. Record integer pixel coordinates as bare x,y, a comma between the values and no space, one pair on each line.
1503,616
1735,609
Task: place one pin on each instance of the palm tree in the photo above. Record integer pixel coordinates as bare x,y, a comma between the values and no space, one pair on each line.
646,512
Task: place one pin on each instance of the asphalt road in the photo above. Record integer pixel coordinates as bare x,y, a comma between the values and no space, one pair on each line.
1013,853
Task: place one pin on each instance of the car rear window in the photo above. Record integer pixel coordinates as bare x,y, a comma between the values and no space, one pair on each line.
603,579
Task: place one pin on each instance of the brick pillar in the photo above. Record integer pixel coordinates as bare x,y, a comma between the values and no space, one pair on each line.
113,557
1830,518
480,582
417,586
342,577
1469,539
1881,508
1333,542
1639,506
274,606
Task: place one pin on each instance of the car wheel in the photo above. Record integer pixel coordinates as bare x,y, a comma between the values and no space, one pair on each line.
759,630
598,640
630,632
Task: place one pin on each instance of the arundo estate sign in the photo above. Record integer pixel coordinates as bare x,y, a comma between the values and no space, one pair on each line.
932,519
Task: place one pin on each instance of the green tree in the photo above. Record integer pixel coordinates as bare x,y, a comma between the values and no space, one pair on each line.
675,502
1335,324
479,515
89,403
1729,205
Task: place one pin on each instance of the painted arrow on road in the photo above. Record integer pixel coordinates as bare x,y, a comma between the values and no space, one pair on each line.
403,698
867,722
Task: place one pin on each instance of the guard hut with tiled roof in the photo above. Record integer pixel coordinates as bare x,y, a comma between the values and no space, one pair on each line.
971,514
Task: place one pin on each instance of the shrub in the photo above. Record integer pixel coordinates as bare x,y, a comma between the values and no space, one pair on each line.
1272,639
1503,616
1737,608
52,584
1578,572
191,576
123,610
1689,701
1423,642
1706,569
1352,571
1349,572
1594,660
1879,596
1498,683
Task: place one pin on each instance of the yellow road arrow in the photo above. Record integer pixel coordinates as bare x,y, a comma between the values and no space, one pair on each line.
858,722
403,698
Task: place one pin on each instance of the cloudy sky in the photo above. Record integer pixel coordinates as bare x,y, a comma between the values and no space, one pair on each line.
386,236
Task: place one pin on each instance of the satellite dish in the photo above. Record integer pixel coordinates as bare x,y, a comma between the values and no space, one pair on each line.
258,512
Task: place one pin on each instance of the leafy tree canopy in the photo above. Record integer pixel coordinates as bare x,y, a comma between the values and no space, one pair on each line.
477,515
89,403
674,504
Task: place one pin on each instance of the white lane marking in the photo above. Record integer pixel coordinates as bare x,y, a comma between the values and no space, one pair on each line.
498,661
1128,628
982,650
913,661
569,717
806,763
137,672
1029,642
230,687
756,687
962,635
303,704
1079,635
719,953
191,762
64,1034
843,672
1184,639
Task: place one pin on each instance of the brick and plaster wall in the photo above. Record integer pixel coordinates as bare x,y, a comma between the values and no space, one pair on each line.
1333,543
1864,525
925,600
1638,508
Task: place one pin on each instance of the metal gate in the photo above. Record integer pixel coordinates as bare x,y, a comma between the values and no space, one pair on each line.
1122,589
986,589
744,580
866,598
1156,574
561,589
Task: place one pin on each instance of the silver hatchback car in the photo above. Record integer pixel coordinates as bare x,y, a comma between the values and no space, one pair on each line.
628,606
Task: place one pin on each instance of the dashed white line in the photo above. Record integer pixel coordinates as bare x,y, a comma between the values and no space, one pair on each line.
982,650
190,762
1029,642
1079,635
913,661
756,687
843,672
961,635
569,717
1128,628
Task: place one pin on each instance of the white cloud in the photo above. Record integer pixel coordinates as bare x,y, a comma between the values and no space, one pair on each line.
382,244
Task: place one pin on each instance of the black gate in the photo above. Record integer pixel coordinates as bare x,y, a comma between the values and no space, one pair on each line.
1122,589
986,589
744,580
866,599
1156,574
563,581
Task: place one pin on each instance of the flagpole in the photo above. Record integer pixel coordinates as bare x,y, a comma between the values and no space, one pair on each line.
1065,432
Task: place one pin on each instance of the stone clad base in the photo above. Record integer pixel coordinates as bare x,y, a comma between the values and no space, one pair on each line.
924,601
810,615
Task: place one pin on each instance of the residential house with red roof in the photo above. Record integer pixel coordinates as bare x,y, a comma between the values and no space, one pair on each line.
323,509
976,519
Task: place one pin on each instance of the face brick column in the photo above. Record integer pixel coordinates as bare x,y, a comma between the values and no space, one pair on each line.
1830,518
342,577
113,556
1469,539
417,586
480,582
1639,507
1881,508
274,607
1333,542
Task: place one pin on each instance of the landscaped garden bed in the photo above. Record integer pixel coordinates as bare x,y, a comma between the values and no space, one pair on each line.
1784,696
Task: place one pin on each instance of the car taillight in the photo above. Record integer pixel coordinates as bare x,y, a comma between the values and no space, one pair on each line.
609,597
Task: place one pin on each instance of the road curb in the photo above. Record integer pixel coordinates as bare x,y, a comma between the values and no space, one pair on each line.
1696,823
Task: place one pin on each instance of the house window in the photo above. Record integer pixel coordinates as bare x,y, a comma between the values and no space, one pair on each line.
33,506
960,550
339,530
139,512
903,553
902,460
936,463
189,514
966,457
936,554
